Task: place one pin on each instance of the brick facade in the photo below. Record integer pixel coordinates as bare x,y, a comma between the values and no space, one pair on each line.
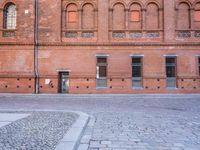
73,33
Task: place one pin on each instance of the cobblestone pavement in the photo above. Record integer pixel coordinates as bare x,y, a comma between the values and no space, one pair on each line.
39,131
126,122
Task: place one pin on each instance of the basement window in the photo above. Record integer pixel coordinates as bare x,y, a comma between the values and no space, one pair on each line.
101,72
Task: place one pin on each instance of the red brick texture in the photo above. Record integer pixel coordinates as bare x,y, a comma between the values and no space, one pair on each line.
73,33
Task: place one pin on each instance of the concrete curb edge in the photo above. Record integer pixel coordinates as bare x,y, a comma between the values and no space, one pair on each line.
72,138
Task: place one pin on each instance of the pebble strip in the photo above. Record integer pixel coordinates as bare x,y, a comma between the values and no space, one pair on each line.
39,131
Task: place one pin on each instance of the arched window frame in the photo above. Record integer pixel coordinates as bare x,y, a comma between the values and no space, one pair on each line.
10,20
196,16
190,12
139,11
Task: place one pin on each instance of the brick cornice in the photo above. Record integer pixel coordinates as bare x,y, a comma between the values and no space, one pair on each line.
100,44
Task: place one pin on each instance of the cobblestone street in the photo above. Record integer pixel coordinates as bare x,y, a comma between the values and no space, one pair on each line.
125,122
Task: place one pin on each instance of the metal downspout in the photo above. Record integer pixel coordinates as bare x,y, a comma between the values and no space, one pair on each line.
36,49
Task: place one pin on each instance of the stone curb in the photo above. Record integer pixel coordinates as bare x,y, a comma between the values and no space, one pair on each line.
72,138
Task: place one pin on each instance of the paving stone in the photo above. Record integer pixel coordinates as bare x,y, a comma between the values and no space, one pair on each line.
146,122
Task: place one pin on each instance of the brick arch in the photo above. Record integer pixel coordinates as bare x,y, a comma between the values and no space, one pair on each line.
136,2
152,20
88,2
183,1
119,2
183,20
195,4
153,2
88,15
70,3
9,2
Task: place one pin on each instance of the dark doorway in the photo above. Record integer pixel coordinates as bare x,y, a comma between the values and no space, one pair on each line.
63,82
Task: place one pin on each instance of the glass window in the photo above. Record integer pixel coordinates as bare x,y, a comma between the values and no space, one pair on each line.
199,64
137,72
171,72
10,16
101,72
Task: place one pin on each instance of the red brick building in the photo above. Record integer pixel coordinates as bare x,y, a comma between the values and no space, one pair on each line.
100,46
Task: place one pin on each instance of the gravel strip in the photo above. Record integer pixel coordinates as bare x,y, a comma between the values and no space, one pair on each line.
39,131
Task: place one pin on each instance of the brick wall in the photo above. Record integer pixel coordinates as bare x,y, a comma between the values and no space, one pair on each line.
101,27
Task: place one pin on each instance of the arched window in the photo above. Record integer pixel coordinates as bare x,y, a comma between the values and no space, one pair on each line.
135,17
71,16
196,17
152,16
118,16
10,17
88,16
183,16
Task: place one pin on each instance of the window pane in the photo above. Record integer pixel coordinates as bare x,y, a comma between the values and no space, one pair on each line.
199,65
136,71
102,71
171,71
10,17
171,60
101,83
101,60
136,60
137,82
171,82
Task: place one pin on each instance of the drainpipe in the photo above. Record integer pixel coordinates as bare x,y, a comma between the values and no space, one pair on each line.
36,49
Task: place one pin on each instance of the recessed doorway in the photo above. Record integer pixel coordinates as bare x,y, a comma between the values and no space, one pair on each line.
63,82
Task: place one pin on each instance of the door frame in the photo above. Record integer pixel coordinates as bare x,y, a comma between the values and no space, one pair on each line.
60,73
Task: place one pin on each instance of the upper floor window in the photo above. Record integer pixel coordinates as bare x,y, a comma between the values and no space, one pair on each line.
135,16
152,16
183,16
197,15
10,17
72,16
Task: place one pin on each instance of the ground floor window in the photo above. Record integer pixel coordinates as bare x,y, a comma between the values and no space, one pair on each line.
63,84
199,64
137,72
171,71
101,72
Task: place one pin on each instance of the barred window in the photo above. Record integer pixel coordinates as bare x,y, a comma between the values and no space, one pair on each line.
10,16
